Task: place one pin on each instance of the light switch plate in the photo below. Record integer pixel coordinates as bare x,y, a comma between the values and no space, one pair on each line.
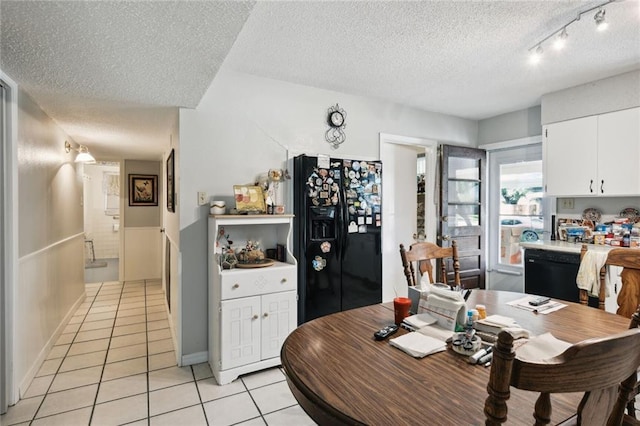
202,198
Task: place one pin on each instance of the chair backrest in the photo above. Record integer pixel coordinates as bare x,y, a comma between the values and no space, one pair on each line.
419,256
603,368
628,297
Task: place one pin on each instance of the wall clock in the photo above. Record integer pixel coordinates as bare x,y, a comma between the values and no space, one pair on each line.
336,121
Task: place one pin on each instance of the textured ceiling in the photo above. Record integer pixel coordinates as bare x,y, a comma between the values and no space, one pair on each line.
113,72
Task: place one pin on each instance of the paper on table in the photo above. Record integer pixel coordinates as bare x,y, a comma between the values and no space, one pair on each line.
420,320
436,332
498,321
523,303
418,345
541,347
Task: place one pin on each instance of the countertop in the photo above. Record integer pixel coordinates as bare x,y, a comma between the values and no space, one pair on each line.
563,246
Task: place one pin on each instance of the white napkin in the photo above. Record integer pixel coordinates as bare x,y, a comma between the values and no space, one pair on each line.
541,347
418,345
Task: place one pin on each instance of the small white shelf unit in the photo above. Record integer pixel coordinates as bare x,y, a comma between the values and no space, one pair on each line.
251,311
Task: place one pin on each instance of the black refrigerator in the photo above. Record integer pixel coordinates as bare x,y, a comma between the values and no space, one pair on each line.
337,234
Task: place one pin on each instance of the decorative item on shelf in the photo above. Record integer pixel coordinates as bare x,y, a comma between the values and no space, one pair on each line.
218,207
336,120
271,185
251,256
592,215
630,213
249,199
227,256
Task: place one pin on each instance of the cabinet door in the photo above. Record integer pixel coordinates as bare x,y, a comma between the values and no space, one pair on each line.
278,320
619,153
570,161
240,332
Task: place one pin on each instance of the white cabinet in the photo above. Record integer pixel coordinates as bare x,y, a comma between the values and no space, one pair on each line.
593,156
619,153
251,311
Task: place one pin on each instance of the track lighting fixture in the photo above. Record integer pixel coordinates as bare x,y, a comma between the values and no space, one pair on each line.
83,153
562,35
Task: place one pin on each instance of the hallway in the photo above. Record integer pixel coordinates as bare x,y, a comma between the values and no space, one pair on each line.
115,364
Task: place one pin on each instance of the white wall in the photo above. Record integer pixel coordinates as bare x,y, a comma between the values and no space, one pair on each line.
598,97
50,265
244,126
513,125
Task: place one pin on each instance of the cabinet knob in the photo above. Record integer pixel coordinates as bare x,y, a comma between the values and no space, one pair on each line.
266,314
282,281
255,317
236,285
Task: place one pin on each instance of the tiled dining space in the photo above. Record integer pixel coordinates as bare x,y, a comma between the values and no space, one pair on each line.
115,364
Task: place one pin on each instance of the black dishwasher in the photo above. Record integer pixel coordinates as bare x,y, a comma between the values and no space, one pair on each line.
552,274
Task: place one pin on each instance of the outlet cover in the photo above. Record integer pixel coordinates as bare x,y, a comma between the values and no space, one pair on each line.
567,203
202,198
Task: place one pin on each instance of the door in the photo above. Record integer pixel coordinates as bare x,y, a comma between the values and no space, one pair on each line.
3,282
619,133
400,155
317,236
240,332
361,255
463,199
570,150
278,320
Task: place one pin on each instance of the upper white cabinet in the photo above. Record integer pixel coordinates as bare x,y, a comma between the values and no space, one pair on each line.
593,156
619,153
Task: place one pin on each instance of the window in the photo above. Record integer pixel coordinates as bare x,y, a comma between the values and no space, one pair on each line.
516,200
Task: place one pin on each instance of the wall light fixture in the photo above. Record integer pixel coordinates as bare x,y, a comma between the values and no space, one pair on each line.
83,153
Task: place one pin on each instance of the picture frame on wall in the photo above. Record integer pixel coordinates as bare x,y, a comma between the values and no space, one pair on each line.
171,195
143,190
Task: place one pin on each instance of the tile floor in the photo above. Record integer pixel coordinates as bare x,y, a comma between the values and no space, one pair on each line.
115,364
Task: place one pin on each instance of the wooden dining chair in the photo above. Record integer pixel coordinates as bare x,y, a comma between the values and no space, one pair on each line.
584,294
629,294
603,368
631,409
419,256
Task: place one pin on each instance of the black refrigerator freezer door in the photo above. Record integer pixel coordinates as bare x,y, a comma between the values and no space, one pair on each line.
323,285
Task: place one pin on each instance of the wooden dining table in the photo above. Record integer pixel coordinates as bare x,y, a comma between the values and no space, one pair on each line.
340,374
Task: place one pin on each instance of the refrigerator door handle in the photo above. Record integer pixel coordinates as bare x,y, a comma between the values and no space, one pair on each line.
344,228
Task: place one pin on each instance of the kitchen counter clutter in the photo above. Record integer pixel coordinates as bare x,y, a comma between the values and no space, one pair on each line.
564,246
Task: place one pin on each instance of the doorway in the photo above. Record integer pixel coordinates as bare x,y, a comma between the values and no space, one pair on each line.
8,236
400,156
101,196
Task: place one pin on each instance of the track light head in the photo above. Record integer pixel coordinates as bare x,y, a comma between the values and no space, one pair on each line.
536,55
599,17
561,40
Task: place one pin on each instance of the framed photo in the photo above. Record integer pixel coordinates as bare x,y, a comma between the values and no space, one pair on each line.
249,199
143,190
171,195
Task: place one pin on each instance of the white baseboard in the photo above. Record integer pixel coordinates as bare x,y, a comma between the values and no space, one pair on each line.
42,356
195,358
